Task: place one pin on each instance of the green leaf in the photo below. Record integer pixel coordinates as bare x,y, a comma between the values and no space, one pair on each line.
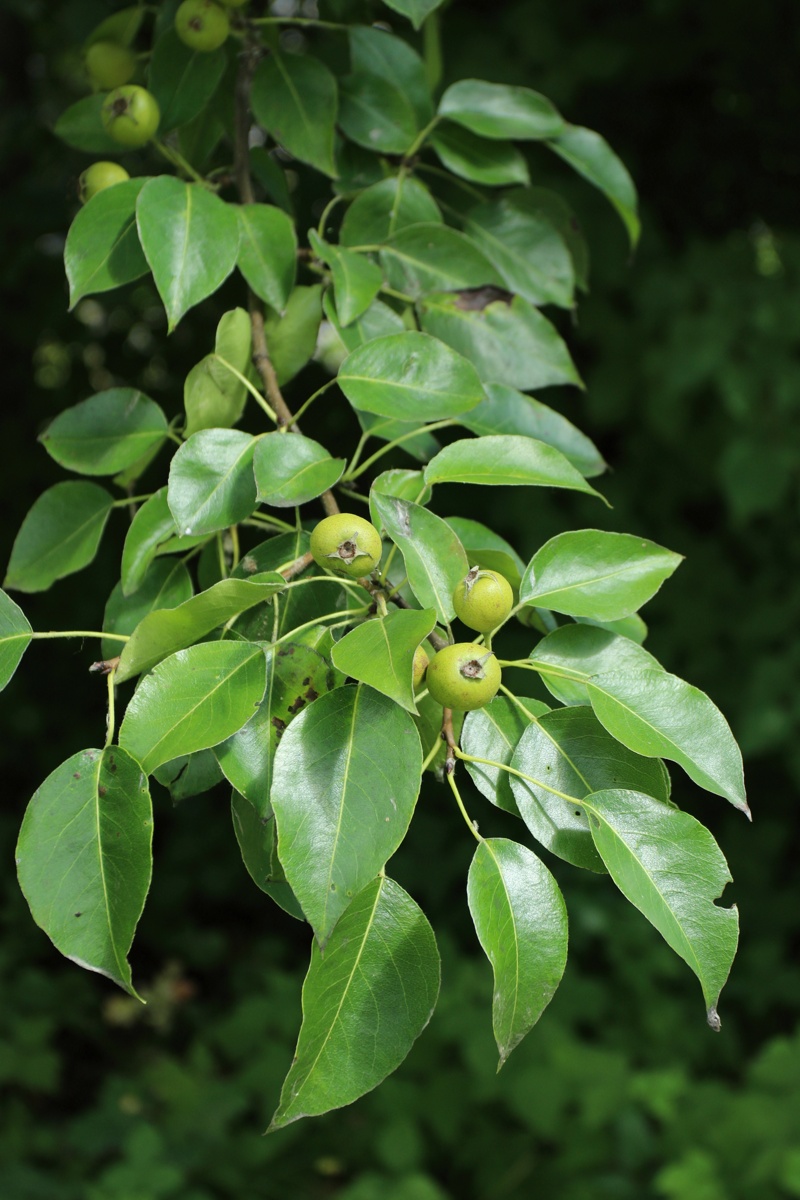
84,858
291,469
415,10
527,248
190,775
593,573
493,163
272,177
15,637
431,257
503,460
165,585
211,482
166,630
408,485
268,252
59,535
121,27
102,250
256,838
192,700
507,339
378,321
182,80
434,558
662,716
190,239
632,627
568,656
374,49
493,733
292,337
356,280
505,410
569,751
670,868
296,676
409,377
591,156
106,433
81,127
151,526
495,110
346,779
294,98
355,1033
422,445
521,921
374,113
380,653
386,208
213,396
476,538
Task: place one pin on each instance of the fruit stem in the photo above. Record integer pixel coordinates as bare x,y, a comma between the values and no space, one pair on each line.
470,823
254,392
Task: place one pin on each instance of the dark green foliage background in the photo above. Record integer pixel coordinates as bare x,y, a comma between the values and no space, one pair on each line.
691,358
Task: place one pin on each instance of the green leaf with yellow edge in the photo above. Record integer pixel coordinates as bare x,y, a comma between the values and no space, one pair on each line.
380,652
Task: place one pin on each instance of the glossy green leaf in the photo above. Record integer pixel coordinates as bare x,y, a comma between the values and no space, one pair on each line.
81,127
570,752
213,394
476,537
152,525
15,637
102,250
593,573
380,652
495,110
166,630
190,775
505,410
192,700
84,858
660,715
211,482
295,99
106,433
376,114
346,779
508,340
409,377
378,321
291,469
571,654
166,584
355,1033
541,202
59,535
415,10
182,80
493,733
504,460
431,257
493,163
420,445
376,50
632,627
292,336
670,868
268,252
256,838
175,219
121,27
527,249
385,208
434,558
296,675
591,156
521,921
356,280
408,485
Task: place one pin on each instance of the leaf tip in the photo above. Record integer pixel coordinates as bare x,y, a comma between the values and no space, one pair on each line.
712,1016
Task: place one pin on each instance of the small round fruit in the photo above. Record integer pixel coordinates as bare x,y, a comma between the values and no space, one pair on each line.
130,115
483,600
463,676
109,65
421,661
202,24
347,544
98,177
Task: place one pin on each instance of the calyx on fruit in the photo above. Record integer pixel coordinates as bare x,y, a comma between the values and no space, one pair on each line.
463,676
346,543
109,65
130,115
202,25
483,599
98,177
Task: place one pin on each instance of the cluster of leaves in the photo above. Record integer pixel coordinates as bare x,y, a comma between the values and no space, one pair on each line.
244,671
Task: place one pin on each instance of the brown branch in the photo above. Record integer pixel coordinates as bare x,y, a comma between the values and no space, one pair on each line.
297,567
449,738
